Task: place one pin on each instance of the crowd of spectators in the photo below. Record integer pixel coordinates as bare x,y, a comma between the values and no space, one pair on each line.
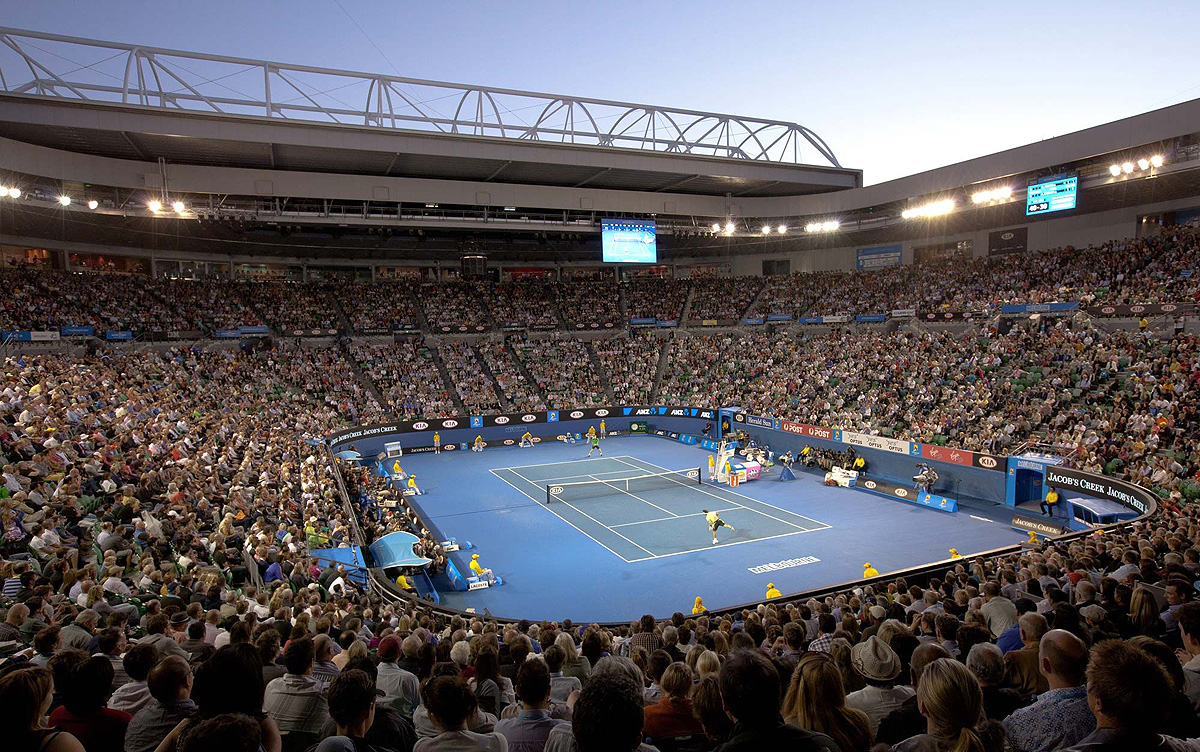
563,371
386,305
526,302
660,298
453,304
212,304
38,300
290,306
629,365
723,298
588,301
475,389
522,395
407,378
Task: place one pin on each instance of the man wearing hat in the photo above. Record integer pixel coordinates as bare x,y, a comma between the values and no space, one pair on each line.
879,666
876,614
400,688
772,591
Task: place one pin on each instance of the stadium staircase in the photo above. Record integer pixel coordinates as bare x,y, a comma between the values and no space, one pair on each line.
600,374
664,352
685,314
422,320
753,301
622,305
487,371
529,379
447,382
366,382
343,320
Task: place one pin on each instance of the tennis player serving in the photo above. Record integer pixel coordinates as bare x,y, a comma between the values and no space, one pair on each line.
715,522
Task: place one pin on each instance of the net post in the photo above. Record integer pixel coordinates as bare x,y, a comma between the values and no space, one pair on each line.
547,495
699,476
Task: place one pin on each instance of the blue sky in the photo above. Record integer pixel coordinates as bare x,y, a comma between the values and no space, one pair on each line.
894,88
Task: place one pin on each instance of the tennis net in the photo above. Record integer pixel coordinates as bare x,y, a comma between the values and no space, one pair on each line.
634,485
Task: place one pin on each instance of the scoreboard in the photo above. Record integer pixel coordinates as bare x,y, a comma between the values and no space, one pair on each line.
1052,195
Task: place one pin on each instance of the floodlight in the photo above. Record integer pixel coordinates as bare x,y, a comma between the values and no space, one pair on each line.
93,204
831,225
1156,160
1127,167
154,205
14,192
178,207
64,200
782,229
1115,170
3,191
1143,164
716,227
729,228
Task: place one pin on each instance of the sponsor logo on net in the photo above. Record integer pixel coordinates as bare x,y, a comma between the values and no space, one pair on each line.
785,564
693,473
556,490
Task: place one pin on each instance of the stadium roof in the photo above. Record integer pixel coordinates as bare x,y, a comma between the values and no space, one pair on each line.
143,103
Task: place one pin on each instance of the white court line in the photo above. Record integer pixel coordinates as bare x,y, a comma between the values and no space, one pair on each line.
627,493
494,471
702,489
725,545
566,462
562,478
679,517
585,514
981,519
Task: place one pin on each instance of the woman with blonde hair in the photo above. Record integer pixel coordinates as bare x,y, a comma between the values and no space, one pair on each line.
816,700
708,664
720,643
575,665
950,699
1143,614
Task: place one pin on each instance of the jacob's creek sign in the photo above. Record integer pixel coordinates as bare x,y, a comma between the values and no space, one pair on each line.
1137,499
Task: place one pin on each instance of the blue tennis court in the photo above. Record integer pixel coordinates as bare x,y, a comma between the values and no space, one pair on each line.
651,522
616,556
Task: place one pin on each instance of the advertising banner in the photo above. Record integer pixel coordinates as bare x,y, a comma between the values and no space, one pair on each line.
878,257
671,322
598,325
753,322
946,454
1002,242
118,336
897,491
227,334
1146,309
43,336
903,313
761,421
950,315
1133,497
779,317
876,442
987,461
835,319
810,320
462,328
803,429
78,331
871,318
709,322
1050,529
642,322
257,329
1041,308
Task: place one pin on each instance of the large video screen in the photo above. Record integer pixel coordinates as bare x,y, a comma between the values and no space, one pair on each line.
629,241
1051,195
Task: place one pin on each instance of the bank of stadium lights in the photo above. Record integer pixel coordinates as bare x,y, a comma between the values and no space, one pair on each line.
993,196
828,226
10,192
933,209
1140,165
716,227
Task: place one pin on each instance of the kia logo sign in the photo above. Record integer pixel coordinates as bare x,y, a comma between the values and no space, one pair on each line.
693,473
595,325
1137,308
420,425
1108,309
1168,307
576,413
537,440
988,462
601,413
870,484
528,418
556,490
449,447
1007,236
508,442
501,419
449,423
902,492
560,437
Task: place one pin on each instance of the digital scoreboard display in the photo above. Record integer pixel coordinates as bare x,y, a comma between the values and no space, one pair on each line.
1051,195
629,241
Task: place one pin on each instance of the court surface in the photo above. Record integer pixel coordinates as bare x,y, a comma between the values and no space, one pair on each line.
641,524
616,557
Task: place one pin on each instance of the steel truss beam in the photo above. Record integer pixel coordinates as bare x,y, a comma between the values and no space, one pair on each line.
51,65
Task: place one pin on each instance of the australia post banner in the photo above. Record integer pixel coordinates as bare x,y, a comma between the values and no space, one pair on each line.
803,429
882,443
1146,309
1136,498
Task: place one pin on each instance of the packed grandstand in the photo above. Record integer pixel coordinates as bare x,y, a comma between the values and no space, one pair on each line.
196,555
161,504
